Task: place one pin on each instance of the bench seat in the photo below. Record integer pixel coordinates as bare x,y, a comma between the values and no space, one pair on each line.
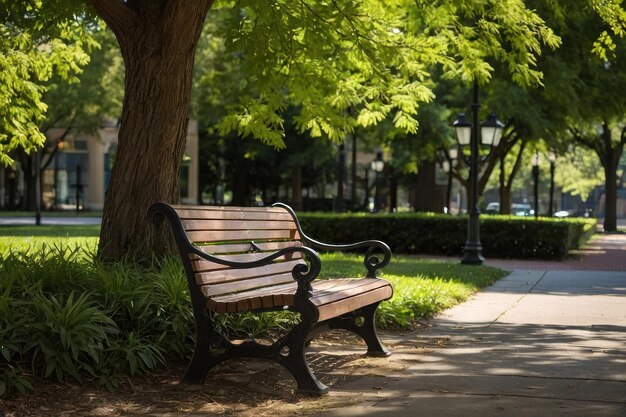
332,297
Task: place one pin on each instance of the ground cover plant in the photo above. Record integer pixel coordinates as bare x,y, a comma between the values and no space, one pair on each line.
65,315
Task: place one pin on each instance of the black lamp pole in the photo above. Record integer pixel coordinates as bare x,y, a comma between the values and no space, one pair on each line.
536,184
473,248
551,202
37,188
377,166
467,134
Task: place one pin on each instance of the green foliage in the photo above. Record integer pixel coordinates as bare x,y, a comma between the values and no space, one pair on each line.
409,233
84,102
65,315
34,45
356,63
579,172
614,16
255,326
67,335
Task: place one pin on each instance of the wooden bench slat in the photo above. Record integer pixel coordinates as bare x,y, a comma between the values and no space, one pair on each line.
330,310
288,287
202,265
250,284
329,295
264,209
218,249
225,235
234,275
214,225
346,289
241,304
249,214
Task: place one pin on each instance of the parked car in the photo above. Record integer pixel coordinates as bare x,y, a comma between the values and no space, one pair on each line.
517,209
522,209
492,208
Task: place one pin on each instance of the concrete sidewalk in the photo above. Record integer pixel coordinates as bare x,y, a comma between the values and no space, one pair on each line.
537,343
30,221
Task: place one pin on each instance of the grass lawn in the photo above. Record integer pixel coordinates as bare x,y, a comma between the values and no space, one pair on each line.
44,214
49,231
423,287
19,238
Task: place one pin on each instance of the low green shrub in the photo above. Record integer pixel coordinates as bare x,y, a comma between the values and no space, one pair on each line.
65,315
440,234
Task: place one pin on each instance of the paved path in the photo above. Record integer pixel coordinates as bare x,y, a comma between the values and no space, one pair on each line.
25,221
605,252
540,342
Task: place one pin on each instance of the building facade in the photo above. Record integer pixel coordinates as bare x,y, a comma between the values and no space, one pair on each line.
79,171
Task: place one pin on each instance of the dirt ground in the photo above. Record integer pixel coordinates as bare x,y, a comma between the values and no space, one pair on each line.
238,387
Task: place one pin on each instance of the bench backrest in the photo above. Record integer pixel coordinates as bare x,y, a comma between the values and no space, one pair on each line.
241,234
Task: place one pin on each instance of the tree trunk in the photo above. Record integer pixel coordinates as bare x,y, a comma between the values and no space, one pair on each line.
296,187
240,184
30,179
610,198
428,197
506,184
158,41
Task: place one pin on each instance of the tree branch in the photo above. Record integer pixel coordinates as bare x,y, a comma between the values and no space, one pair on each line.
56,145
115,13
590,143
516,165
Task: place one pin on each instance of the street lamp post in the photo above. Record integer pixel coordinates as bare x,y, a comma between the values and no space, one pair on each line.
38,187
377,166
467,134
535,164
448,160
552,159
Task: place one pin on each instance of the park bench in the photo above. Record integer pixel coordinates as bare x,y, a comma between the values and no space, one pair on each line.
257,259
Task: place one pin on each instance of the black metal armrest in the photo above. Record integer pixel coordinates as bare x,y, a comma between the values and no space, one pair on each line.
372,260
303,274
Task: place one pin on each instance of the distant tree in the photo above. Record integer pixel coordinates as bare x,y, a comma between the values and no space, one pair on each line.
80,104
584,84
579,172
35,45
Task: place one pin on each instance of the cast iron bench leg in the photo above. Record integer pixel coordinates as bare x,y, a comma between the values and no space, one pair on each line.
294,359
202,360
363,324
369,334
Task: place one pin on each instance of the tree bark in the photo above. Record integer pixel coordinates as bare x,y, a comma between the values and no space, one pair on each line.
504,191
158,41
428,197
506,184
609,153
296,187
610,199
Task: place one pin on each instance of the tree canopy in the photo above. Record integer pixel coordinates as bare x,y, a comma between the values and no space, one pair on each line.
338,64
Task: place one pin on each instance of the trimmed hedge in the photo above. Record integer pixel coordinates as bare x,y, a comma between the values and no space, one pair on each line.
441,234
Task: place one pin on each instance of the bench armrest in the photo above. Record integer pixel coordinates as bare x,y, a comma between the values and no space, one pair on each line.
303,274
372,260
